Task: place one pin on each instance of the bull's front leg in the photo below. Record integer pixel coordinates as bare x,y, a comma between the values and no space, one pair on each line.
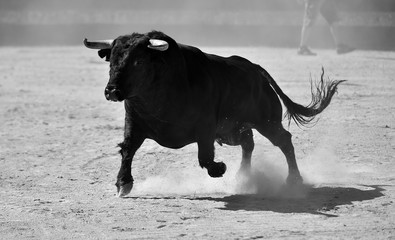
132,141
206,156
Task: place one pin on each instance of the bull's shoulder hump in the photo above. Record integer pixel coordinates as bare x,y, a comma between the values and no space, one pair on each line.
188,48
193,54
236,58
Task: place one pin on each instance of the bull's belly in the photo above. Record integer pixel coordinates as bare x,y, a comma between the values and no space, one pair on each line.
173,138
174,144
229,132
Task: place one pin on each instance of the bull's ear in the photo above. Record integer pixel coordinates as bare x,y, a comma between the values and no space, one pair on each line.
157,44
105,53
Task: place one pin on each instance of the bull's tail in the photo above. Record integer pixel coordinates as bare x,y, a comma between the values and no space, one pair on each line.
320,99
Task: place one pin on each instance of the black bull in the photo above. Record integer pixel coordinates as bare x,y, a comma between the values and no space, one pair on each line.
176,95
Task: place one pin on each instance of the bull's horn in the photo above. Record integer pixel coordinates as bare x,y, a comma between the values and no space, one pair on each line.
158,44
102,44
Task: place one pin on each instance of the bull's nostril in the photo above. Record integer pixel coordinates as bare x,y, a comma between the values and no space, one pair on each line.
112,93
109,88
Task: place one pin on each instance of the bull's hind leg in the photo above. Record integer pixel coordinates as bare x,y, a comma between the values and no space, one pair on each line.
247,146
280,137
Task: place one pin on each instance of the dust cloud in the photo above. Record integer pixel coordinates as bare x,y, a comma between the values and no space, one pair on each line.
323,166
266,178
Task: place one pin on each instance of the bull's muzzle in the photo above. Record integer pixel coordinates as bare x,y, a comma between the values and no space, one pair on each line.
112,94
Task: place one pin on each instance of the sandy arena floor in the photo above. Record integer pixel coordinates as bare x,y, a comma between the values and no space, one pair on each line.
59,160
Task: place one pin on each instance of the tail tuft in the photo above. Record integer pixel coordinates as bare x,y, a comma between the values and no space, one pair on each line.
321,96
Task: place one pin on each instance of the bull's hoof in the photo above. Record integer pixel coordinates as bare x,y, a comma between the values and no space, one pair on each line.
124,189
294,179
216,170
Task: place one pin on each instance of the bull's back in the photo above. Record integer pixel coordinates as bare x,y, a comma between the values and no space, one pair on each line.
231,87
246,94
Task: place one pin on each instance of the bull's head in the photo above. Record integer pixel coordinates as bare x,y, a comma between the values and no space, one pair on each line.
132,63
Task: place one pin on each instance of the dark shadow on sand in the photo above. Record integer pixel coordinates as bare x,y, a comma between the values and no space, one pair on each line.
318,201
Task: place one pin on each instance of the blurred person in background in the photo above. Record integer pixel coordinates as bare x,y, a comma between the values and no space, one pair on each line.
328,10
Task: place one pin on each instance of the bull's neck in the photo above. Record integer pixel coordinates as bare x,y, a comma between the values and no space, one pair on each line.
161,100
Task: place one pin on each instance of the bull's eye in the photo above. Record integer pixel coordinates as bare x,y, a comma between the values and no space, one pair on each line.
137,63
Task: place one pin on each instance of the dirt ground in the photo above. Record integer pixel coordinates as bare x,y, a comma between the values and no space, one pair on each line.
59,159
